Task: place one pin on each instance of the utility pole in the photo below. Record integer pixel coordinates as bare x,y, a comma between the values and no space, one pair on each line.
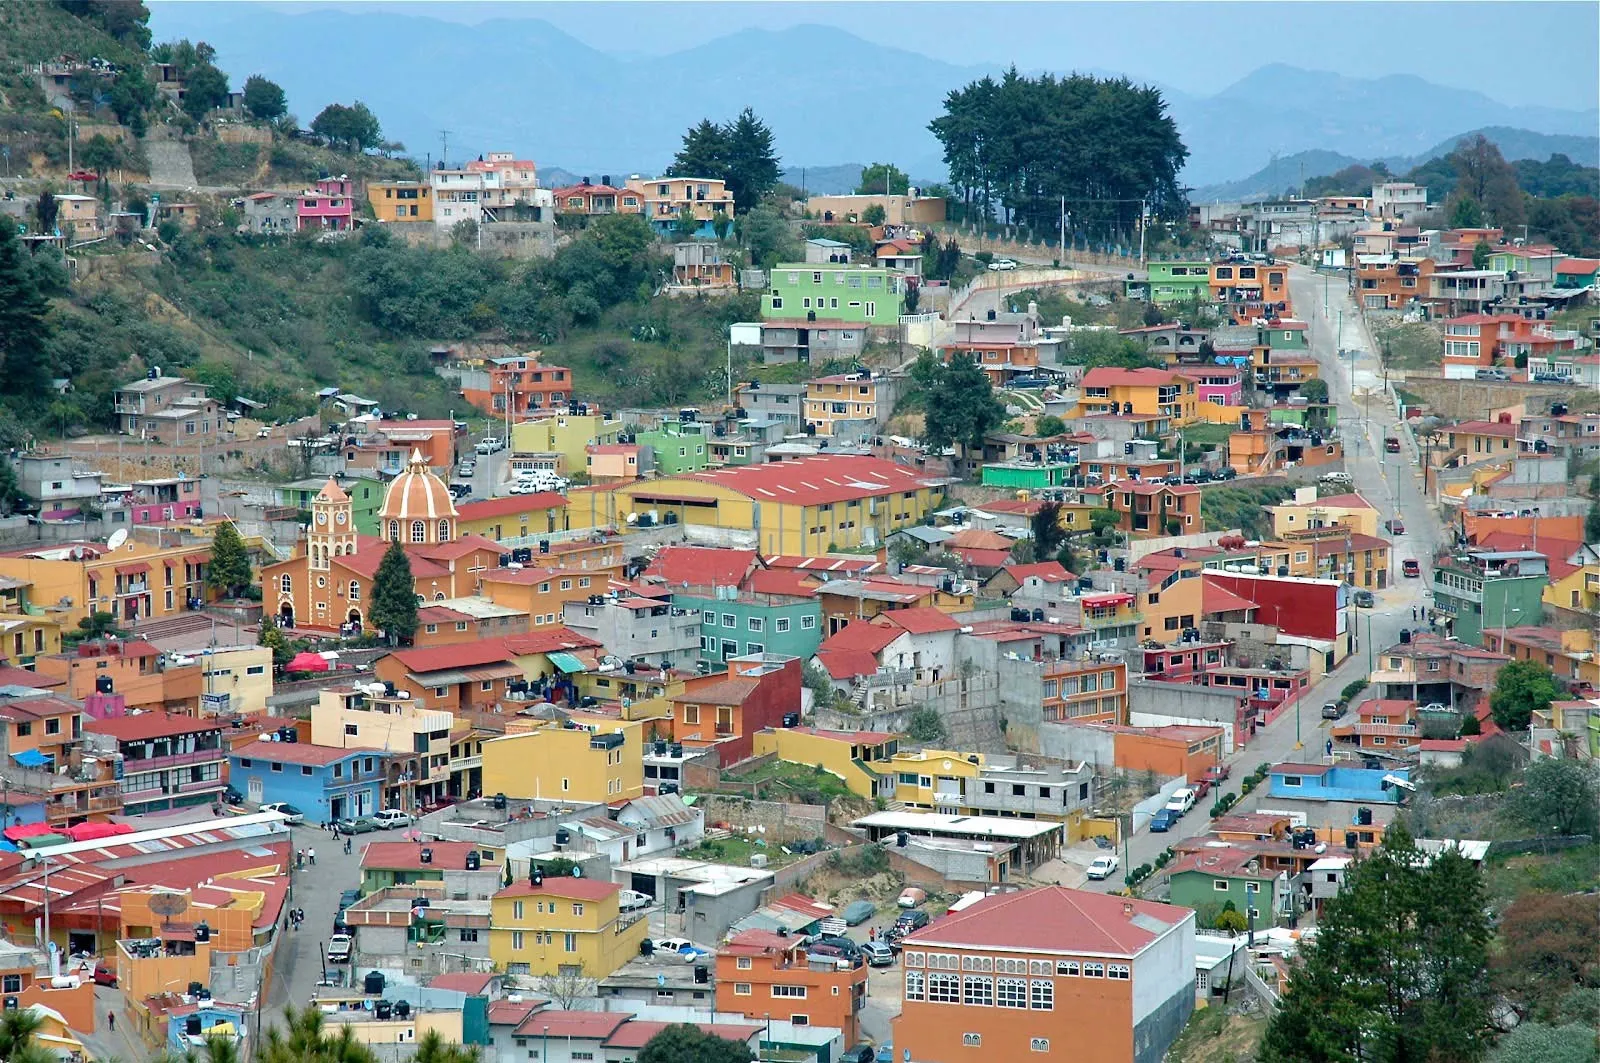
1141,231
444,153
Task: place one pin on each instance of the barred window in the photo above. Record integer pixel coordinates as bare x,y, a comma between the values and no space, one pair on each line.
977,963
944,989
944,961
1094,970
914,985
1038,966
1069,968
978,990
1011,992
912,959
1042,994
1009,966
1119,970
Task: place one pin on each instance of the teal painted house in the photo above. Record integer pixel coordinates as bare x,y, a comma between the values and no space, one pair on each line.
834,293
1284,336
366,495
1180,282
678,447
1026,475
741,622
1484,589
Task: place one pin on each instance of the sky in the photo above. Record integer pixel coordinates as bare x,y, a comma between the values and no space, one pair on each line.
1547,53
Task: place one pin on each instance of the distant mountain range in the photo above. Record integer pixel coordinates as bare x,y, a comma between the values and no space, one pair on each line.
1290,171
524,85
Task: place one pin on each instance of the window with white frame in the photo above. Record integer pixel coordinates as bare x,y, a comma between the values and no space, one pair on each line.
1042,994
1119,971
1067,968
1094,970
1011,992
916,985
944,988
977,990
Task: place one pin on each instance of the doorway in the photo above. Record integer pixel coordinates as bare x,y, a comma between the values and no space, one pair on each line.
253,791
286,615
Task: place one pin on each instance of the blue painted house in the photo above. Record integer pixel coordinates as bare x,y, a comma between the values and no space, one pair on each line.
324,782
189,1025
1328,782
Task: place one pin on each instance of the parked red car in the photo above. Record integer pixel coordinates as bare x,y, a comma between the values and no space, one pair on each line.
1217,773
1410,567
104,975
1202,788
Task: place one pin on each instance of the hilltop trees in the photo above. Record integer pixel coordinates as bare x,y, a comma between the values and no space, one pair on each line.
739,152
24,321
883,178
205,86
264,99
1485,178
961,407
352,128
1023,143
1520,688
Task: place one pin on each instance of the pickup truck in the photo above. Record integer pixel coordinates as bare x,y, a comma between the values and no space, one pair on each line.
339,948
1391,444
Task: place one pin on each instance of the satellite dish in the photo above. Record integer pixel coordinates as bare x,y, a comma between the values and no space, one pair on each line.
118,537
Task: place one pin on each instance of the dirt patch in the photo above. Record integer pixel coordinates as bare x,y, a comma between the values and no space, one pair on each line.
1219,1034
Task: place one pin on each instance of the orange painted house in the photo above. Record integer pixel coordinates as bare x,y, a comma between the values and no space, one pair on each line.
1391,283
136,671
1047,973
1145,510
1178,750
528,384
761,974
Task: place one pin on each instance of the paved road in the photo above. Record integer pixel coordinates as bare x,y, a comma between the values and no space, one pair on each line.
1392,484
298,967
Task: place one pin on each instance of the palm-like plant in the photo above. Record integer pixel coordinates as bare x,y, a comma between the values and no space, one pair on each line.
16,1032
432,1048
304,1039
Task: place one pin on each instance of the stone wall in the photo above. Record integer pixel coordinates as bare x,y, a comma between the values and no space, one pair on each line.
784,821
1467,400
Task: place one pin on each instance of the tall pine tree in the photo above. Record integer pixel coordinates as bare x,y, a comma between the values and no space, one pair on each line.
1397,971
24,324
394,597
229,568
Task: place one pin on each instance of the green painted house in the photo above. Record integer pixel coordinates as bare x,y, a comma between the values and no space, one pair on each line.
833,292
1180,282
678,447
1206,881
1284,336
740,622
366,495
1487,589
1318,415
1026,475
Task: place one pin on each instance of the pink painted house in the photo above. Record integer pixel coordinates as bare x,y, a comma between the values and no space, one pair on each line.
166,499
1220,385
328,206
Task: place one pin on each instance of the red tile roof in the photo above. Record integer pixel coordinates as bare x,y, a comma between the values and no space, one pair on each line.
300,752
22,677
1578,265
1107,377
1349,500
1442,745
584,889
512,1012
582,1025
1141,487
1055,919
792,582
456,548
977,538
862,636
439,614
408,855
561,639
702,566
637,1032
369,553
1484,428
1215,598
1048,571
468,982
834,566
922,620
847,664
813,481
456,655
862,738
148,725
1386,706
733,691
1291,768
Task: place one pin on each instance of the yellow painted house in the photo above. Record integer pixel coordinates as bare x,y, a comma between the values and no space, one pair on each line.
808,506
926,779
400,200
1149,392
1578,590
859,758
567,434
563,926
1307,511
600,759
134,581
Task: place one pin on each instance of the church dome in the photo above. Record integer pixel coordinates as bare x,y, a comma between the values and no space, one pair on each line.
418,497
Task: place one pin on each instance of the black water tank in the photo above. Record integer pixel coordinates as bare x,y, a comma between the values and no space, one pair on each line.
702,975
102,684
1349,839
402,1009
472,860
383,1009
902,839
373,984
563,836
1364,817
500,801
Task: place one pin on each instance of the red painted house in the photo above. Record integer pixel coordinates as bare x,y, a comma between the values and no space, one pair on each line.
725,710
1311,608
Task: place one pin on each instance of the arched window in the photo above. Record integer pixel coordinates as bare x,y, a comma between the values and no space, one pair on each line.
394,531
444,531
355,591
285,584
419,531
438,596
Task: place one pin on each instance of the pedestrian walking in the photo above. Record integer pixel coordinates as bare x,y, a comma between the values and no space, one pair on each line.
299,859
111,1020
347,845
311,855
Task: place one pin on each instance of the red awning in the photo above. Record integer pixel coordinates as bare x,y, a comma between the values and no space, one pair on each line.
132,570
27,830
1106,599
308,662
197,559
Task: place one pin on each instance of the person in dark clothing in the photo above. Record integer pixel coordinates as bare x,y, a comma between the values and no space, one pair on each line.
111,1020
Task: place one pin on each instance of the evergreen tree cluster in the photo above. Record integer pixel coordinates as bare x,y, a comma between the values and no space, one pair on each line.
1023,143
739,153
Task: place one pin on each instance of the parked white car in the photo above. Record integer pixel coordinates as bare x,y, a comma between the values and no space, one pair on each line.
284,808
1002,265
1103,867
633,900
393,817
489,445
1181,801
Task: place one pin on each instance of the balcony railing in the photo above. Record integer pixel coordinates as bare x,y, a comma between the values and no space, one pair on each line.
1115,620
133,765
